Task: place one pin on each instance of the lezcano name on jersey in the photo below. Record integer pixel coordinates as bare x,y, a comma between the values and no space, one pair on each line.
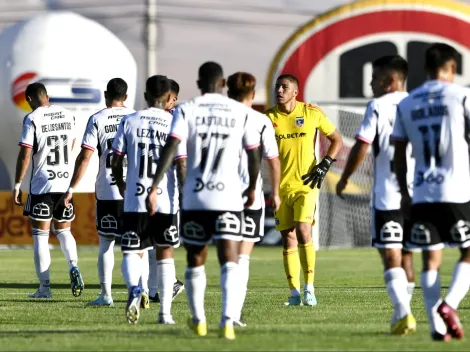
51,127
431,111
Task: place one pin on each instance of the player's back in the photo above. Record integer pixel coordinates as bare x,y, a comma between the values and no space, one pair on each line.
216,128
50,132
143,135
435,118
99,134
263,126
377,129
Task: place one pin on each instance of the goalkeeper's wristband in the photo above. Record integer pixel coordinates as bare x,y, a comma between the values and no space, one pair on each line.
329,160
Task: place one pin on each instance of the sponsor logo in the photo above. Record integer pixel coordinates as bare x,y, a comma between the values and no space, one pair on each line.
332,54
290,136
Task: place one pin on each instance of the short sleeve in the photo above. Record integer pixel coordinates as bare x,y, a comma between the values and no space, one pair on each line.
90,137
399,131
179,126
119,143
368,129
181,151
27,135
268,140
325,126
251,137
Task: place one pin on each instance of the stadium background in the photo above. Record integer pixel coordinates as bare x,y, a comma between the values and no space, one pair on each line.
250,36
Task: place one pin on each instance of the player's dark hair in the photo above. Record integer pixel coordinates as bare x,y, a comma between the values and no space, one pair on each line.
116,89
157,86
210,72
35,90
392,63
240,84
438,55
175,87
290,78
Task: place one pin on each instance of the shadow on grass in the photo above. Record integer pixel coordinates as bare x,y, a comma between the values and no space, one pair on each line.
131,332
56,286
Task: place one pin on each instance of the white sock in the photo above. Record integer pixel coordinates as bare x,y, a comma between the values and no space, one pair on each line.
459,286
431,285
396,283
229,285
166,274
131,269
153,278
42,258
410,288
68,246
144,279
243,276
106,264
196,283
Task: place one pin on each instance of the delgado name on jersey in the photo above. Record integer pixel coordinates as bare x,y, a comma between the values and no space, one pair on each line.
141,136
99,134
376,129
267,137
435,119
49,132
213,128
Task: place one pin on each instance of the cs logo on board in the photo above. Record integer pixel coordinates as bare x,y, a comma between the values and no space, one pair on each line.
332,54
62,91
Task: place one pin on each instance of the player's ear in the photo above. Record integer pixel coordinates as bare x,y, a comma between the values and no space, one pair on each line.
145,96
125,97
253,95
168,97
223,82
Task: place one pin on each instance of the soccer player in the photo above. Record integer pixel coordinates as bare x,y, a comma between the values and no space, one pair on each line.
241,87
141,136
178,286
296,124
213,127
99,134
434,119
388,221
48,135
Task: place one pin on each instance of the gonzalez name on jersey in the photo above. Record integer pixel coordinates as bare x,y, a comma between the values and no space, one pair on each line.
141,136
213,128
49,132
99,134
376,129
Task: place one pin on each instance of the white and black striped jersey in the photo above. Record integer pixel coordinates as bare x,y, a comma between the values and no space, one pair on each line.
376,129
50,132
141,136
435,119
214,128
267,137
99,134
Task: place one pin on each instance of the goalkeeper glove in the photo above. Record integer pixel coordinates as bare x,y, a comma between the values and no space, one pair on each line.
318,173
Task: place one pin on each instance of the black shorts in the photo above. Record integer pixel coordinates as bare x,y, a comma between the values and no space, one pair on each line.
201,226
109,217
42,207
387,228
438,224
253,225
142,231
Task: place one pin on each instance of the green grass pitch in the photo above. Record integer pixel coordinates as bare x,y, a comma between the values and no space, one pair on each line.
353,311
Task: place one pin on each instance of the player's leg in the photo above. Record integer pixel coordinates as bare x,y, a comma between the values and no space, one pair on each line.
62,221
133,244
227,232
196,236
166,234
144,280
108,225
290,255
252,232
304,211
408,265
457,236
153,279
42,258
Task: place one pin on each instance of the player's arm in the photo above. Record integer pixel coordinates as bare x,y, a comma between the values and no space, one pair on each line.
118,172
364,137
253,172
22,163
318,172
271,157
400,141
180,171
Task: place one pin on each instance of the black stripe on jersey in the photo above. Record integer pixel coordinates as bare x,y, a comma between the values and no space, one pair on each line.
375,143
98,145
246,119
467,124
35,142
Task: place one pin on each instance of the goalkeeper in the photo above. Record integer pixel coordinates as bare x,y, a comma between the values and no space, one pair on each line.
296,124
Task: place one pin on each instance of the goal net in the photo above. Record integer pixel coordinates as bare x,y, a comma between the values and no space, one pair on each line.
341,223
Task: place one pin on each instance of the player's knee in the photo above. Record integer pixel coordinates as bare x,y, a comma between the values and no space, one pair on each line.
304,232
39,232
432,260
465,255
164,253
195,255
391,258
289,238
